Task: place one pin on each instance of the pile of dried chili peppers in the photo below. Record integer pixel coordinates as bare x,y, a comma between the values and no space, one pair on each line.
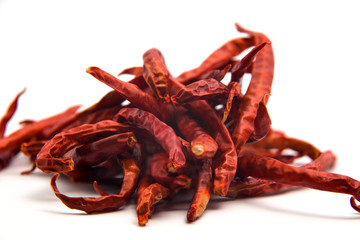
194,132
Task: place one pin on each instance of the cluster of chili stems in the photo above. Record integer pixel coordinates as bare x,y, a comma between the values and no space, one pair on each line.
176,133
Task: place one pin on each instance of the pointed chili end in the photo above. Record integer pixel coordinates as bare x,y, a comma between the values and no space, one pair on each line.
98,190
198,208
353,204
91,69
220,191
142,212
220,187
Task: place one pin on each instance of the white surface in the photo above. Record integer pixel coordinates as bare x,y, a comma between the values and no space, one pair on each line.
47,45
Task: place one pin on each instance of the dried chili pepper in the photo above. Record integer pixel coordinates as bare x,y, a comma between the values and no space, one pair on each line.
220,57
262,72
211,137
9,113
156,73
162,133
202,192
10,145
263,167
199,90
129,91
50,158
159,172
105,202
148,196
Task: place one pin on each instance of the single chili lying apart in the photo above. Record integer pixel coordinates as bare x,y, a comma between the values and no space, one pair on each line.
199,131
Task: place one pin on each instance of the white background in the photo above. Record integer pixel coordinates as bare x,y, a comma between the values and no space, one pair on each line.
46,46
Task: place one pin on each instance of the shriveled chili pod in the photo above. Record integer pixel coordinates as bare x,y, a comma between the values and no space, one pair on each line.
136,71
95,152
200,90
10,145
129,91
225,162
202,145
235,91
50,158
253,187
262,73
274,170
9,113
146,200
156,73
240,68
220,57
162,133
104,203
202,192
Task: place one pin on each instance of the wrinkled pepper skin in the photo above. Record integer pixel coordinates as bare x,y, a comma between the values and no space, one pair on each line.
157,136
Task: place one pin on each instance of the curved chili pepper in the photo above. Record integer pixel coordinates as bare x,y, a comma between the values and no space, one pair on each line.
147,198
272,169
156,73
95,152
50,158
258,89
129,91
241,67
225,162
200,90
202,192
253,187
202,145
278,140
10,145
235,91
262,123
9,113
136,71
104,203
162,133
218,58
238,156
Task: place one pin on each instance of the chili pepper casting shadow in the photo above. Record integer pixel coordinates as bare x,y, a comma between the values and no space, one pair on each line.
194,131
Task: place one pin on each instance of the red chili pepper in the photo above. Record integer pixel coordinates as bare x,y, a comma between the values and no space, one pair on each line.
202,192
9,113
156,73
10,145
162,133
129,91
252,187
50,158
211,138
159,172
202,89
148,197
220,57
202,145
259,88
105,202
